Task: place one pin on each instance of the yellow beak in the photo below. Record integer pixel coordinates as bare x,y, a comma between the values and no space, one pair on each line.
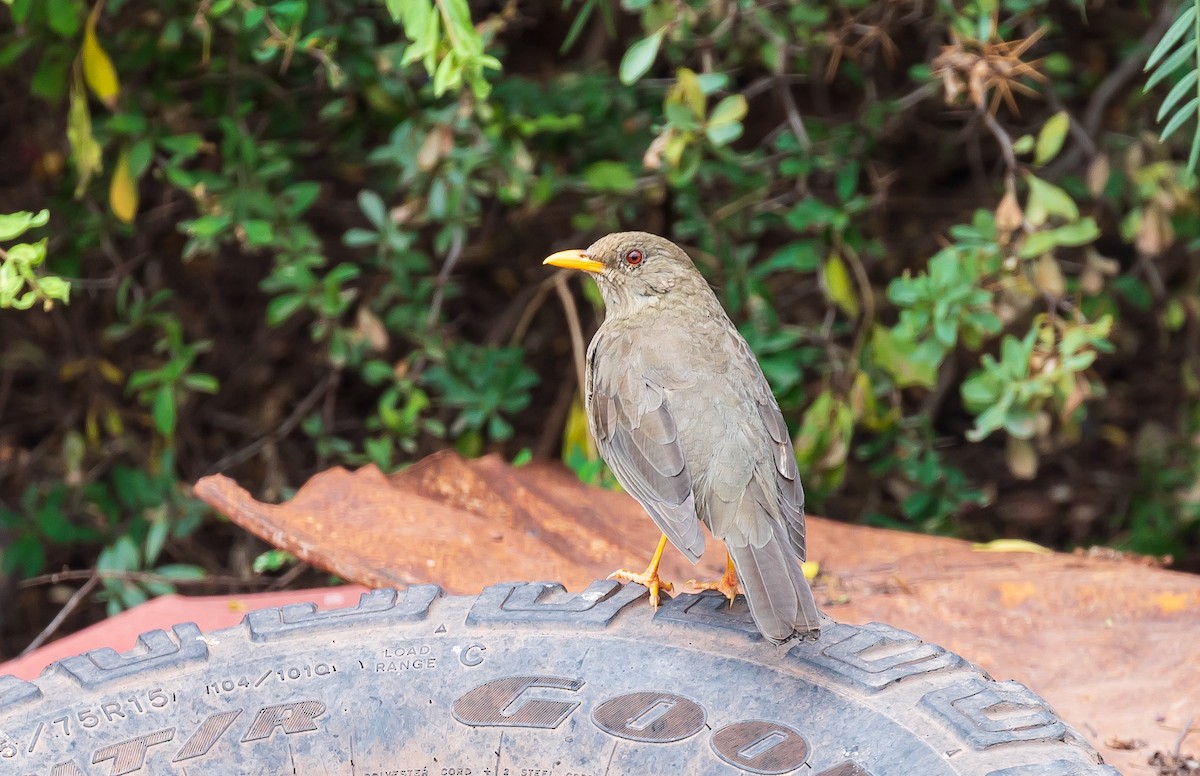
574,260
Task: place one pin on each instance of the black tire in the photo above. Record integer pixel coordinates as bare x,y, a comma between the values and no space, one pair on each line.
525,680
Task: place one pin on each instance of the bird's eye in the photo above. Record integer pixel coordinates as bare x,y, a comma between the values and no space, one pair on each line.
634,257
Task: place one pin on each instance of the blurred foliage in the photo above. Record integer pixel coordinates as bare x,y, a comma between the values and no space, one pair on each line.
302,234
21,285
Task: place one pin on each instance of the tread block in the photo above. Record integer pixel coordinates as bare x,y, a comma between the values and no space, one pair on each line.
709,609
539,603
14,691
873,656
987,714
384,605
155,650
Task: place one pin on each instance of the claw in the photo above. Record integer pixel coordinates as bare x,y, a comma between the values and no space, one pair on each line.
648,579
726,585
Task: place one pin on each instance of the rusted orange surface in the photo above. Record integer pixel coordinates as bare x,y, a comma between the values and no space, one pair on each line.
1113,644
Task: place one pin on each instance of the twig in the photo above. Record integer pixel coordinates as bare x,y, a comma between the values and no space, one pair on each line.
289,576
1002,137
916,97
63,613
137,576
531,308
1129,67
868,300
555,420
439,291
947,377
279,432
793,114
576,331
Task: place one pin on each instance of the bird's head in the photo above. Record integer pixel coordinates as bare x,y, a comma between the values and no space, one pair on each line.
633,269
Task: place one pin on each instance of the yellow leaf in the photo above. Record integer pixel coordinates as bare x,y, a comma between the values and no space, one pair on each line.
576,435
110,371
1011,545
123,191
85,151
687,91
98,69
839,286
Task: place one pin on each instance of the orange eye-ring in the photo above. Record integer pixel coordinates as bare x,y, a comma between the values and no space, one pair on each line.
634,257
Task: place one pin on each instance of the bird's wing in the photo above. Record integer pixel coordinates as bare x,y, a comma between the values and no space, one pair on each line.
787,475
631,420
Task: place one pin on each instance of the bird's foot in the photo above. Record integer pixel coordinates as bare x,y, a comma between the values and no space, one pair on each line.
726,585
648,579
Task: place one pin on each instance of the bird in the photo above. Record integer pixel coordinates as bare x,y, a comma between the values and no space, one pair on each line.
684,417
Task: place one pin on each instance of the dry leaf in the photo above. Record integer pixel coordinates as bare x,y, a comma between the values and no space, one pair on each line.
368,328
1097,175
1047,276
1155,232
1009,215
1022,459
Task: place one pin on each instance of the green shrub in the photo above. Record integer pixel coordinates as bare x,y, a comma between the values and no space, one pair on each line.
303,234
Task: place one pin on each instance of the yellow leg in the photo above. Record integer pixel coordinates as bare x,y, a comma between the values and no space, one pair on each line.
728,584
648,579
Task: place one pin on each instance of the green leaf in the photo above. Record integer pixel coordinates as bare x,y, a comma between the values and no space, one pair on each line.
184,146
723,134
1172,63
1173,35
1050,139
181,571
258,232
907,363
63,17
808,213
201,382
1081,232
1185,113
730,110
207,226
12,51
614,177
1047,199
373,208
640,57
163,411
301,196
799,256
13,225
156,536
1185,85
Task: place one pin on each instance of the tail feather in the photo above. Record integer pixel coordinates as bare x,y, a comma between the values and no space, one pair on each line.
781,602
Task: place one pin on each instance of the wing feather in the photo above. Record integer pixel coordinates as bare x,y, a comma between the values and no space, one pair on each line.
639,440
